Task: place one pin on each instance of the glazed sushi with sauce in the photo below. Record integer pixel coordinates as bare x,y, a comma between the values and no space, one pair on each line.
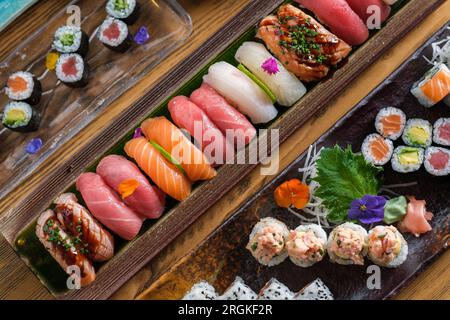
390,122
71,39
125,10
23,86
307,245
418,133
72,70
387,247
114,34
437,161
347,244
21,117
407,159
441,132
433,87
377,150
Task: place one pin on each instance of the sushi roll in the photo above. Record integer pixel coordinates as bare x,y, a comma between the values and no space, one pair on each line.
433,87
390,122
72,70
418,133
21,117
347,244
316,290
23,86
437,161
275,290
267,242
377,150
114,34
238,290
285,86
126,10
441,132
71,39
201,291
387,247
307,245
407,159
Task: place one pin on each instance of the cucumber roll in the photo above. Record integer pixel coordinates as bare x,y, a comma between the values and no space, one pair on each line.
23,86
114,34
71,39
126,10
21,117
72,70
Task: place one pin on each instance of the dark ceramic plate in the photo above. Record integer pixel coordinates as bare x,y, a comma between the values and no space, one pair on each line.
223,256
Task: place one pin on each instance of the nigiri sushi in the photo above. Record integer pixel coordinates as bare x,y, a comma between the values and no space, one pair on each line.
187,115
125,178
339,16
106,206
163,173
233,124
303,45
172,140
241,92
363,9
285,86
433,87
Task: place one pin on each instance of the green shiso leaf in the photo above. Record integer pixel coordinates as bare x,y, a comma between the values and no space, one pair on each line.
258,82
167,155
344,176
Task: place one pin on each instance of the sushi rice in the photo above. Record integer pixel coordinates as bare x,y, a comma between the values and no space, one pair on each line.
79,65
352,226
439,126
433,87
400,256
238,290
382,116
443,161
123,11
418,133
20,116
319,233
367,149
68,39
123,32
407,159
275,290
201,291
23,95
316,290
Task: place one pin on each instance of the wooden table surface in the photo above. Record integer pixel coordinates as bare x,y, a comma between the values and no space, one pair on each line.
17,281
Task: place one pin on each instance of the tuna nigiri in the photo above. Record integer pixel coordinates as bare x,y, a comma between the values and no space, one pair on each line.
172,140
302,44
125,178
416,219
241,92
163,173
106,206
364,9
339,16
187,115
233,124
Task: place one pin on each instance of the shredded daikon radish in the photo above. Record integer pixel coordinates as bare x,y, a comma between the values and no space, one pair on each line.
441,52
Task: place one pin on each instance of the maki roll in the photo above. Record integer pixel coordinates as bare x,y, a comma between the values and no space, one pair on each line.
417,133
114,34
316,290
72,70
433,87
347,244
21,117
126,10
387,247
377,150
201,291
267,242
407,159
390,122
441,132
275,290
71,39
437,161
307,245
23,86
238,290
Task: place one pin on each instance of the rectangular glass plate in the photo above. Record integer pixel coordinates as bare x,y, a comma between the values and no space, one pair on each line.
66,111
10,10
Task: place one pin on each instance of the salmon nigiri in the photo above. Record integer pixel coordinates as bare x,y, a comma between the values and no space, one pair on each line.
163,173
171,139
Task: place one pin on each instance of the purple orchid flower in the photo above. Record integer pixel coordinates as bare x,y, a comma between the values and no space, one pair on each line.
142,36
138,133
34,146
270,66
369,209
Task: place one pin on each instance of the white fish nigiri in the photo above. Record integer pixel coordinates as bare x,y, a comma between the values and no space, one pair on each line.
286,87
241,91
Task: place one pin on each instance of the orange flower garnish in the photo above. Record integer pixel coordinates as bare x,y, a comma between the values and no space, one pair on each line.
127,187
292,192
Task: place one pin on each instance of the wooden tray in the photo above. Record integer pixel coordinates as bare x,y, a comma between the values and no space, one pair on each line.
223,256
135,254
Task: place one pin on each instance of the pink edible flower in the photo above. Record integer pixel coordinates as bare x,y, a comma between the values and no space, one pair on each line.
270,66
